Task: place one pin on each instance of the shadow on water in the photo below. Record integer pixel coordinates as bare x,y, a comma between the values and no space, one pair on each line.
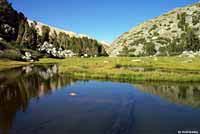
113,106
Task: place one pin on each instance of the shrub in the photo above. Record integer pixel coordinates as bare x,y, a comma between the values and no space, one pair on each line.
161,42
182,21
4,45
153,27
45,33
149,48
198,5
168,29
163,51
156,34
164,39
174,48
118,66
124,51
139,41
11,54
174,31
190,40
131,52
195,18
34,54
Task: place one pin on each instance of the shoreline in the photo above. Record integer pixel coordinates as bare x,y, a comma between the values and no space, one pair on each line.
162,69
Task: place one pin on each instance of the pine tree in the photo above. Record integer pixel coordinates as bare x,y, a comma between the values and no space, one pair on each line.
45,33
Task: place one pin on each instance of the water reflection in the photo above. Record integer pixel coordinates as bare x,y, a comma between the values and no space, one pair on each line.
179,93
35,99
18,86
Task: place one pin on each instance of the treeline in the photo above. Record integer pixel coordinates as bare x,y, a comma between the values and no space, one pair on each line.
9,21
16,30
79,45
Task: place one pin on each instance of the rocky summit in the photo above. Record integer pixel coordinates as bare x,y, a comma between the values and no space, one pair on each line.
169,34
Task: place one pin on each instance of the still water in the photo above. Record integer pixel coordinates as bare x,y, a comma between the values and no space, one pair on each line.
36,100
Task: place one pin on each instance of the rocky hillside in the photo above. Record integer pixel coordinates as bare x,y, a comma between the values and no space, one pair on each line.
23,39
169,34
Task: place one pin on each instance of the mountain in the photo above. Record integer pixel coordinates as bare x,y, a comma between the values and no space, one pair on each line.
38,26
23,39
169,34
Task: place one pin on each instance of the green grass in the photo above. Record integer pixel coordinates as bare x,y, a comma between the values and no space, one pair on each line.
161,68
124,68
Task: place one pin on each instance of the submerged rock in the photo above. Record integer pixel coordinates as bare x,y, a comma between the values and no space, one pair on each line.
72,94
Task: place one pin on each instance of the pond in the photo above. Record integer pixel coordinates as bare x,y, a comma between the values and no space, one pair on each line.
36,100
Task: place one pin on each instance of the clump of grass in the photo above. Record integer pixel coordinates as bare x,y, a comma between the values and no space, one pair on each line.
118,66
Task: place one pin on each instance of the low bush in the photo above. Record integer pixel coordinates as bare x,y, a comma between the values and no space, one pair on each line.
149,49
11,54
118,66
163,51
34,54
154,27
4,45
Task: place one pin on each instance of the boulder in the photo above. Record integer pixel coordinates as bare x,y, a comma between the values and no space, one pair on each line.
55,52
27,57
190,54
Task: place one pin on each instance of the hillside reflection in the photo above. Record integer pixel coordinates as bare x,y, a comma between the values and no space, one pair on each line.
20,85
179,93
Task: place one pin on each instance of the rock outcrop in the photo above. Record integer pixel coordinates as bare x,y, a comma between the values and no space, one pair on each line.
52,51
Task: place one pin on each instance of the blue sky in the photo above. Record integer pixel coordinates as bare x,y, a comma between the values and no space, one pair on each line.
101,19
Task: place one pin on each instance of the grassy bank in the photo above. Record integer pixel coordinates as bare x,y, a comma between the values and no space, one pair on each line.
131,69
7,64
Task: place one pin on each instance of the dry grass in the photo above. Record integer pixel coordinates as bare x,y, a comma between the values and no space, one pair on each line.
7,64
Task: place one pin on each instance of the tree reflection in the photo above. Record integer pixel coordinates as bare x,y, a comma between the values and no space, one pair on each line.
19,86
180,93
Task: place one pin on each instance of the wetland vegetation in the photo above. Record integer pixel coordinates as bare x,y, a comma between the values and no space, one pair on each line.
124,68
131,69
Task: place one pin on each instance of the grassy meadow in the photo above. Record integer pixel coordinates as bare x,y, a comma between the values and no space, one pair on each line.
175,69
131,69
